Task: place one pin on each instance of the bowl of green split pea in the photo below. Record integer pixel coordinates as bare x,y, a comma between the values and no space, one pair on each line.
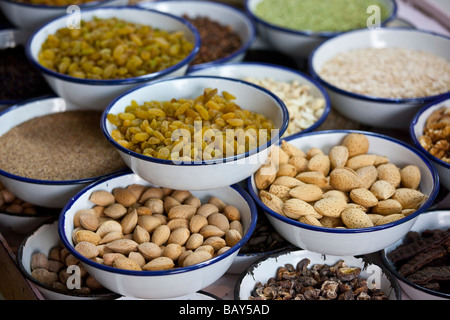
297,27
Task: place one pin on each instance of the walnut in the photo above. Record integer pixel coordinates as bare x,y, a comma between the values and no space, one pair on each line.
436,134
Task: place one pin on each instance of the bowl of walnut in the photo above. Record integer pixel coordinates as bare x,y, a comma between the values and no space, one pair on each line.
430,132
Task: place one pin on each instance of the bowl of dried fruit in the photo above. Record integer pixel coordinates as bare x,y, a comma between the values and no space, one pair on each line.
148,242
226,32
51,149
344,192
296,28
31,14
305,275
195,132
110,51
43,260
420,259
307,101
430,133
376,93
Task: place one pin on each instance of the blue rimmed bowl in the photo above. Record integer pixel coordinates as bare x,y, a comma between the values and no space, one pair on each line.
221,13
202,174
416,131
99,93
262,71
298,43
171,283
30,16
44,193
339,241
391,113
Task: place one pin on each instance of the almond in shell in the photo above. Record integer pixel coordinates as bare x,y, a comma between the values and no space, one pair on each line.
355,218
295,208
344,179
330,207
271,201
87,249
356,143
307,192
338,156
363,197
409,198
410,177
126,264
160,263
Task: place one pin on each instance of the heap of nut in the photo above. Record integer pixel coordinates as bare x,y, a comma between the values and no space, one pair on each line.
152,228
436,134
10,203
52,270
346,188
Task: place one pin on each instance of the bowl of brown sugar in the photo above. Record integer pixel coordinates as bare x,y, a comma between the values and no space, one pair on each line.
50,149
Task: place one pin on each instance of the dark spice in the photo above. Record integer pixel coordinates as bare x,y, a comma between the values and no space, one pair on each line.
19,80
217,41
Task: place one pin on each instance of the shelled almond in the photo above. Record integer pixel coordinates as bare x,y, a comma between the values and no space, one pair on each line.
346,188
150,228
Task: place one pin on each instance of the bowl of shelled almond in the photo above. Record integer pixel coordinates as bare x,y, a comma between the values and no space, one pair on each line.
51,149
420,259
430,132
343,192
148,242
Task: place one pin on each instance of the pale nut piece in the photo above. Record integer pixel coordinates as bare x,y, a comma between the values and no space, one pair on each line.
161,234
286,169
39,260
183,211
211,231
178,223
143,210
409,198
180,195
195,240
331,222
179,236
109,237
390,173
387,207
151,193
193,201
374,217
410,177
183,256
232,237
206,247
295,208
160,263
338,156
278,156
218,203
170,202
286,181
307,192
344,179
382,189
89,221
137,257
217,242
155,205
360,161
280,191
312,152
291,150
368,176
126,264
310,220
44,276
300,163
407,212
140,235
352,205
115,211
313,177
77,215
219,220
389,218
272,201
355,218
356,143
87,249
107,227
124,196
137,189
237,225
363,197
149,223
149,250
87,235
124,246
207,209
102,198
224,249
129,222
196,257
337,194
172,251
320,163
197,222
330,207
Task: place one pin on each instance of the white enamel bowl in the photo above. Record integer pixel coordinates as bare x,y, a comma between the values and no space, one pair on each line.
44,193
344,242
43,239
266,268
416,131
258,70
431,220
222,13
98,93
206,174
29,16
375,111
297,43
172,283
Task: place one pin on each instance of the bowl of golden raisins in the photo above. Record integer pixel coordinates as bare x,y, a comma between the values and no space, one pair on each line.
108,51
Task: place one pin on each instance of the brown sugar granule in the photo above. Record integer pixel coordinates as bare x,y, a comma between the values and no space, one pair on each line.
62,146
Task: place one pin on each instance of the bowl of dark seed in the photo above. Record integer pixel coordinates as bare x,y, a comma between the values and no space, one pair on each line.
50,149
420,260
226,33
19,80
307,275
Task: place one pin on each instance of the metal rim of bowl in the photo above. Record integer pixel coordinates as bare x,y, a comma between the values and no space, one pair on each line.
350,94
323,34
124,81
280,103
368,230
179,270
39,181
415,139
314,82
388,265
